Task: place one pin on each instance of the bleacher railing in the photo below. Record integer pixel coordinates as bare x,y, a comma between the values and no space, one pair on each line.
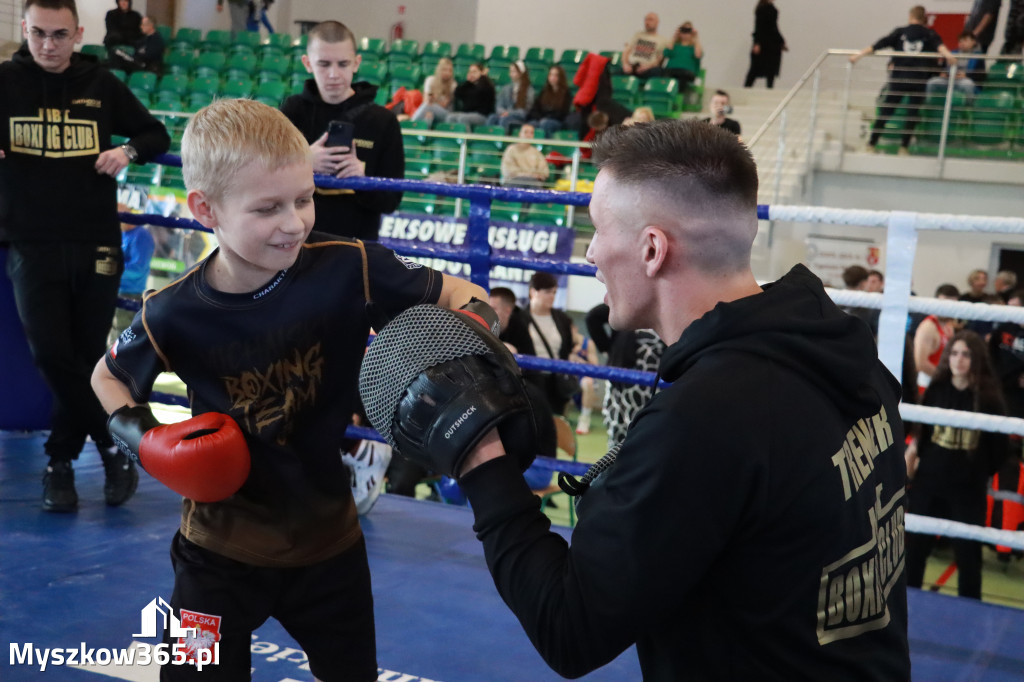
838,98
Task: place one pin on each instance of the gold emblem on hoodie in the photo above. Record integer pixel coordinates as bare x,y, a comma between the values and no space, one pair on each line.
53,134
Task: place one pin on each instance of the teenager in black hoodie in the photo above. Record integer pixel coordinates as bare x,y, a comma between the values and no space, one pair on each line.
377,150
58,219
751,525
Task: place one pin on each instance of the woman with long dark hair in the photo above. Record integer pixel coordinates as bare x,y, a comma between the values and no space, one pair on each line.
766,53
950,466
552,104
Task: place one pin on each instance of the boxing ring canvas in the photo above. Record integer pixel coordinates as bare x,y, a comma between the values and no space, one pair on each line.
82,581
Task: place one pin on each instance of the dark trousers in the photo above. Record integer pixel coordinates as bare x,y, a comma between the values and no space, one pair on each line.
964,508
327,607
66,294
914,90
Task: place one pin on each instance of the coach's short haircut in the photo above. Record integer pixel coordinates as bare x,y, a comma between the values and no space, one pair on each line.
330,32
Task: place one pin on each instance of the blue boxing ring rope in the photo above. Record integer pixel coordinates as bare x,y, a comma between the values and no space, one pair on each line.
477,253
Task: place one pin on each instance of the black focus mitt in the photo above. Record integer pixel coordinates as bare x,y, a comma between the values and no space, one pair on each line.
434,382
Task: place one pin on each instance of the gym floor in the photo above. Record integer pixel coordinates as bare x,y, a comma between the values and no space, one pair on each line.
81,580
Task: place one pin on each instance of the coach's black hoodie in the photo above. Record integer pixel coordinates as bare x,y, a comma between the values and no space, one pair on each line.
751,527
53,127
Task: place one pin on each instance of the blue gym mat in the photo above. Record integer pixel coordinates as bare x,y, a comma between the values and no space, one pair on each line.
82,580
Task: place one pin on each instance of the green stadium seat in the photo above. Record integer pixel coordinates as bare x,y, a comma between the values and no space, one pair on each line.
417,202
98,51
197,100
216,39
120,75
377,46
474,52
209,85
237,87
499,76
544,214
505,53
249,40
279,64
412,134
269,77
538,76
187,37
437,48
165,32
505,211
404,75
428,63
662,96
142,80
375,74
270,92
167,100
297,82
180,61
214,60
242,62
539,57
418,163
279,40
574,57
992,118
177,83
405,46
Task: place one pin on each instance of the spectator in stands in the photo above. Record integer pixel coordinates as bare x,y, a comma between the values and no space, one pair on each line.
876,282
522,164
981,22
720,106
585,350
1013,34
682,58
239,13
474,98
970,69
552,333
951,466
766,52
438,93
976,283
515,99
640,115
931,337
597,123
377,149
909,75
1005,284
124,25
149,51
645,51
552,104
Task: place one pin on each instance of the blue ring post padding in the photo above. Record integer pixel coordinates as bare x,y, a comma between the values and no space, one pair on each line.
762,212
476,239
25,399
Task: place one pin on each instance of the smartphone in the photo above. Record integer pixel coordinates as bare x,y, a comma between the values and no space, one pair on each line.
340,133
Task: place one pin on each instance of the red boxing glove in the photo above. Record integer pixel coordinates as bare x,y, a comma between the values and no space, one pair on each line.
204,458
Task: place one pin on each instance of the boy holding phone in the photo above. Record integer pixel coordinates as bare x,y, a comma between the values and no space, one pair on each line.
349,135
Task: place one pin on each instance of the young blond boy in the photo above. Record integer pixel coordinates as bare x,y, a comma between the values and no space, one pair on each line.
269,330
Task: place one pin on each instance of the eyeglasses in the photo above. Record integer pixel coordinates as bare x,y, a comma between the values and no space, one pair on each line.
57,37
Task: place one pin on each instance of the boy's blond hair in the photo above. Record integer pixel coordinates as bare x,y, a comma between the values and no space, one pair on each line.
228,135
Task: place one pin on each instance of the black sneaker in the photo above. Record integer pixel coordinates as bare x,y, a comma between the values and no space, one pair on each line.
59,493
122,476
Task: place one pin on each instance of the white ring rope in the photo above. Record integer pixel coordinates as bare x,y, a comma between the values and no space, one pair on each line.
960,310
955,529
923,414
902,228
867,218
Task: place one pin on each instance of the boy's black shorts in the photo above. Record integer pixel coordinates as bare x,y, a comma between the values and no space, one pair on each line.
326,607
